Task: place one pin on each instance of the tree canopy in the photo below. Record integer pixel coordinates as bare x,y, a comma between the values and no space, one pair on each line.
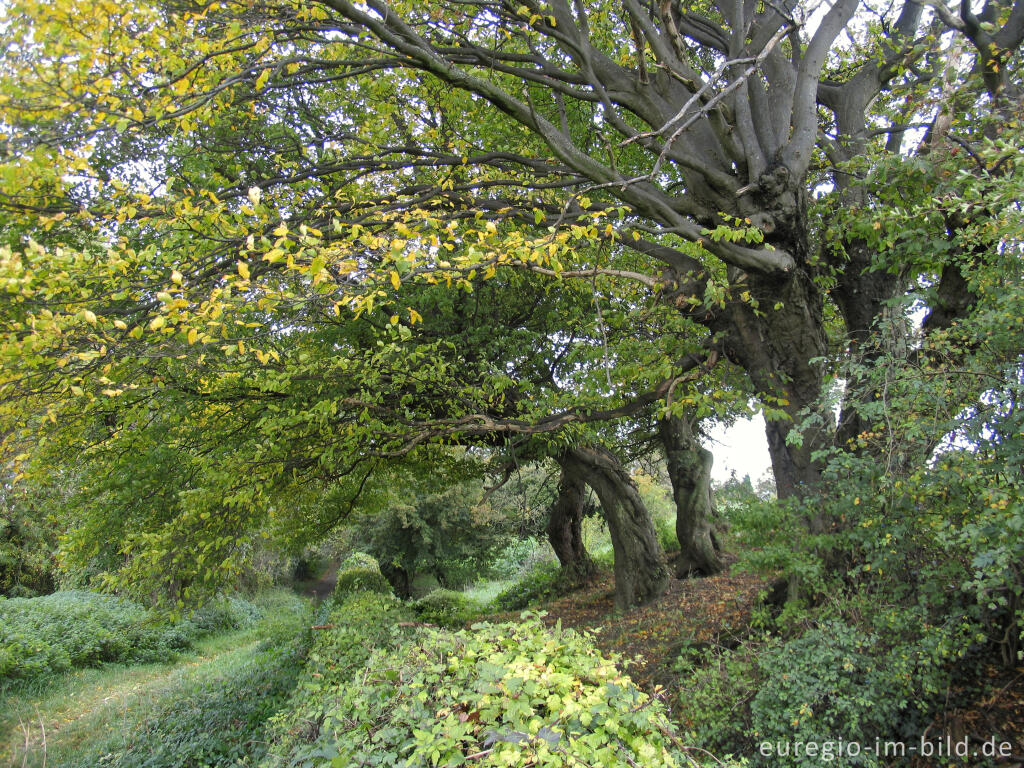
266,245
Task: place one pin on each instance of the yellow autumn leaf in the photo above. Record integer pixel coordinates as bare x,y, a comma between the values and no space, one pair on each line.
157,323
193,335
90,317
396,280
243,270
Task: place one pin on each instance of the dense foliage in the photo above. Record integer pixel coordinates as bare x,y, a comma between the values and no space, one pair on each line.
357,573
348,632
213,717
915,584
28,542
273,269
248,270
447,608
378,691
43,636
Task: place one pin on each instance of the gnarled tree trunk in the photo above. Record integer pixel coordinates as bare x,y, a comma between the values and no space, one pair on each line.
641,573
565,529
689,469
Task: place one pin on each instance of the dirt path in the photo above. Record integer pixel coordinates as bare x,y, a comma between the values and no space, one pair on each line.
323,586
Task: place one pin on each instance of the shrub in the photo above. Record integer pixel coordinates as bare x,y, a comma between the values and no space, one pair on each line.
225,613
542,581
713,700
844,681
447,608
54,633
359,572
508,694
345,637
47,635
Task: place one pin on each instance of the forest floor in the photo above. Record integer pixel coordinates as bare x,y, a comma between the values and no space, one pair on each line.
718,611
699,612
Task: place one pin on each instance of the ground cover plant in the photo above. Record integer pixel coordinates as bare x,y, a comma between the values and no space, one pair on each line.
47,635
378,690
50,634
206,707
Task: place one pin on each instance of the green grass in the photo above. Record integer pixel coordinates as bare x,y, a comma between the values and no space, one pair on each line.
484,592
205,708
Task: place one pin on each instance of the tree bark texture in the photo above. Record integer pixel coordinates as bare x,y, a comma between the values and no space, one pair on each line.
641,574
781,352
565,529
689,469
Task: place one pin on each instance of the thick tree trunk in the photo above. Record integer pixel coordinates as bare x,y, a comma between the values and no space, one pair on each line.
398,578
565,530
641,573
689,469
776,347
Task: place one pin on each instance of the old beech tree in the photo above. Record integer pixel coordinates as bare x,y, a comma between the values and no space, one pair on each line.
198,198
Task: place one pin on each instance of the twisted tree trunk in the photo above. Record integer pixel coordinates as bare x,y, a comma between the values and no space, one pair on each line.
641,573
689,469
565,529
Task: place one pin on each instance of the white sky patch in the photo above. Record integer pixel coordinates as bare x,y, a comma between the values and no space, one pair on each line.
741,448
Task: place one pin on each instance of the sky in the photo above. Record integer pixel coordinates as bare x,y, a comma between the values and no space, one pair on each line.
742,448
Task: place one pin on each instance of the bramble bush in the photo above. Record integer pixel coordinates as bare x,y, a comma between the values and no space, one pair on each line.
511,694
